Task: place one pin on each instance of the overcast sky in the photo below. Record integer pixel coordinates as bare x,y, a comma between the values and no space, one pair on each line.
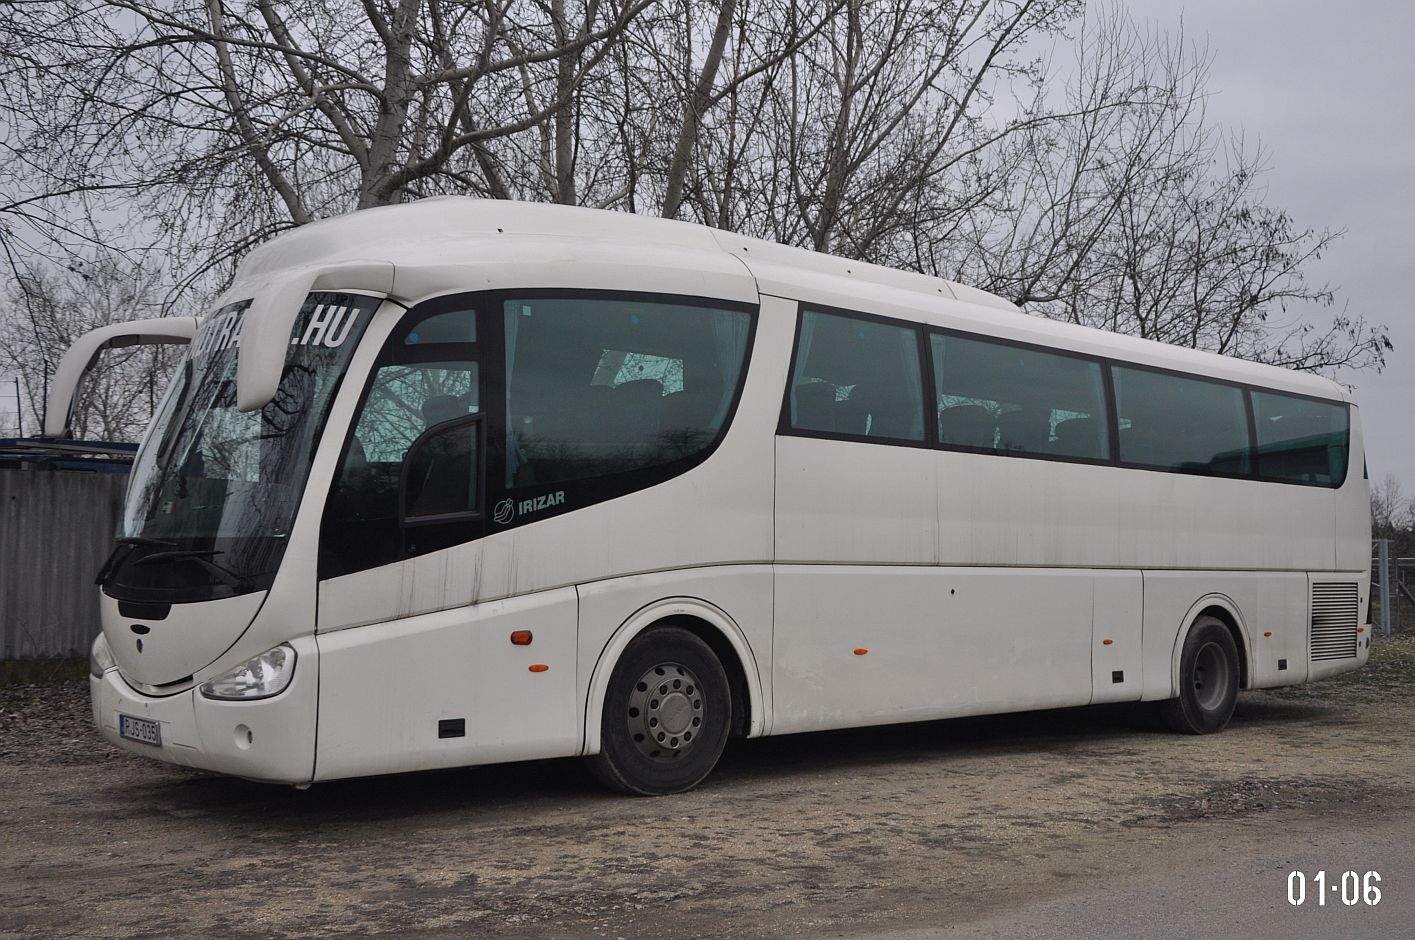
1328,89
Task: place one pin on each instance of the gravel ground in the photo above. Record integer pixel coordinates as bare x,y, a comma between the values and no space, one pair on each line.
952,825
50,725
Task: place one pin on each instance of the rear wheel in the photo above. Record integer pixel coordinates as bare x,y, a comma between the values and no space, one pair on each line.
1208,680
666,715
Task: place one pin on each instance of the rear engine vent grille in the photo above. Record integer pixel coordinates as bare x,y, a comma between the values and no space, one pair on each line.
1335,608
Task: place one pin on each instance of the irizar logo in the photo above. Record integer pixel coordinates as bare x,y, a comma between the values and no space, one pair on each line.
537,503
507,509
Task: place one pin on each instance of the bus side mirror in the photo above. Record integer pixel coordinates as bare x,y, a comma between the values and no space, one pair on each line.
442,474
83,356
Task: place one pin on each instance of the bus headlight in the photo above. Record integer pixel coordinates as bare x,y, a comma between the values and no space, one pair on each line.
100,659
266,675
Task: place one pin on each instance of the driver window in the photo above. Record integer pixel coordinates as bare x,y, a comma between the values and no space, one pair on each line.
428,376
406,400
442,474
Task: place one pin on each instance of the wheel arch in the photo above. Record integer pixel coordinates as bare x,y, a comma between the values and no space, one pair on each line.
714,627
1222,608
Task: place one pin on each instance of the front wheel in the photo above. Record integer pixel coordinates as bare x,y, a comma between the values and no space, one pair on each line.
1208,680
666,715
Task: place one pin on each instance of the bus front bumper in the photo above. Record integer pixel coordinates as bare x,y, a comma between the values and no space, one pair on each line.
269,740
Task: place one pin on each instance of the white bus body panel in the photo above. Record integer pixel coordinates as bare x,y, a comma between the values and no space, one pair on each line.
996,510
270,740
164,652
938,642
1119,604
386,686
454,244
1352,509
842,502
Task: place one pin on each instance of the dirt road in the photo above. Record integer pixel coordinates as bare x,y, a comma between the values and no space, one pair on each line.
1074,823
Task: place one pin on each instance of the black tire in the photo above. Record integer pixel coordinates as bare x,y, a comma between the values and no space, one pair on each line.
656,742
1208,681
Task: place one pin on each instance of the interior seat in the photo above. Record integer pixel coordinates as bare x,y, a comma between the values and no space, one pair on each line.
968,426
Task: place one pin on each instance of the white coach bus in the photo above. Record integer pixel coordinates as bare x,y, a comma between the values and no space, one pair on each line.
460,482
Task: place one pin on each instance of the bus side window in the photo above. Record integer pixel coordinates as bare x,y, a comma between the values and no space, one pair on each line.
441,473
1301,440
857,378
403,402
603,387
1172,422
361,520
1015,399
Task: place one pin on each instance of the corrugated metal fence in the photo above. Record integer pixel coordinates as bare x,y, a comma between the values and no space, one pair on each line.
56,528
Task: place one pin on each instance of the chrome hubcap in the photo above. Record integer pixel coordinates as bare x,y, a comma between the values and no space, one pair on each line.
665,713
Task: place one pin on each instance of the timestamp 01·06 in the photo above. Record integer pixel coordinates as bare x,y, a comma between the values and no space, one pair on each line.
1353,888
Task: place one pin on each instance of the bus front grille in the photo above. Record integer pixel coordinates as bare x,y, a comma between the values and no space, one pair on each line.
1335,609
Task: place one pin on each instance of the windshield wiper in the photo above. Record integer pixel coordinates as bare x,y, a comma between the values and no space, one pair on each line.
129,542
145,542
200,556
183,553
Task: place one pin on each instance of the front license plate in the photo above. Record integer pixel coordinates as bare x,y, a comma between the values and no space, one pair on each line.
140,729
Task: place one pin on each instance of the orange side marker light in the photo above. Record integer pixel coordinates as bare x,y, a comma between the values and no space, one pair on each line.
861,651
1267,633
1360,629
520,638
539,667
1106,642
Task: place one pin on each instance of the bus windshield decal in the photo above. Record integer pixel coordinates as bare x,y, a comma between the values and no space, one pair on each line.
221,330
329,326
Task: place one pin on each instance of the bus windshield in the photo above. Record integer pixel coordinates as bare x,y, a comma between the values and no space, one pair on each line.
214,490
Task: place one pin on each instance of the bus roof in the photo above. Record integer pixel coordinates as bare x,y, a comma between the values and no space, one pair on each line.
453,243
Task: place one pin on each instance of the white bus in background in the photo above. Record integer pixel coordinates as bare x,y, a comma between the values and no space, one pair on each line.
460,482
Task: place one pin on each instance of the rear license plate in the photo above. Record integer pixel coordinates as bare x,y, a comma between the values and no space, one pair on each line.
140,729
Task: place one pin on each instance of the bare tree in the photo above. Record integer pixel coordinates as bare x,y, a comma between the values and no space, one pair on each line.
878,110
1131,212
276,115
168,136
1392,513
271,115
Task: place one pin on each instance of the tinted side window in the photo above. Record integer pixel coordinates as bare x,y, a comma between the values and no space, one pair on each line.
599,387
1016,400
1175,423
1300,440
857,378
405,400
427,375
443,472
